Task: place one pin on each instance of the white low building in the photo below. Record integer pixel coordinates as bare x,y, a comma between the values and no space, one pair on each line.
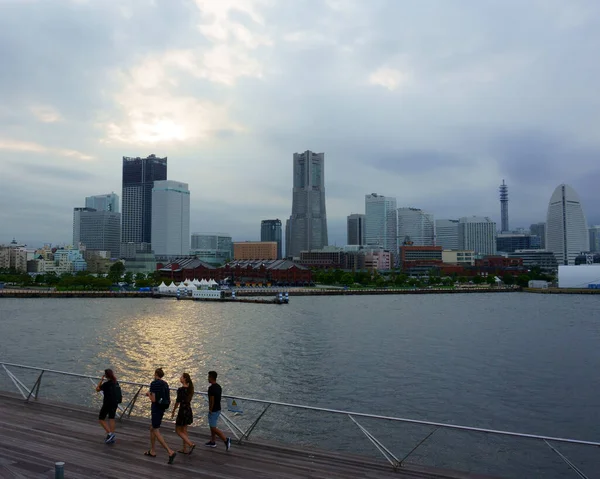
580,276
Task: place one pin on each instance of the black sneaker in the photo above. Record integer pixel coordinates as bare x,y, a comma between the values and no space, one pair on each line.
228,444
107,438
210,444
110,438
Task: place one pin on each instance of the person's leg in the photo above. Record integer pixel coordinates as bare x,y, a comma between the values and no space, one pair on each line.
111,422
185,437
104,425
157,415
179,431
215,431
152,441
102,418
162,441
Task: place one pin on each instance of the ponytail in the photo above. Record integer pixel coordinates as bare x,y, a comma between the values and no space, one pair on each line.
190,391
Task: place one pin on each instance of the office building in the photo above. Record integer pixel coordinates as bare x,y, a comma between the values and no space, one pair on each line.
139,175
594,233
107,202
97,230
504,207
415,227
510,242
380,222
356,230
212,248
250,250
446,234
270,230
170,218
460,258
306,229
478,234
567,234
539,230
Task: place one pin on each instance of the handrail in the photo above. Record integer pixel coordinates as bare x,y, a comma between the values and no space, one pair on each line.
341,411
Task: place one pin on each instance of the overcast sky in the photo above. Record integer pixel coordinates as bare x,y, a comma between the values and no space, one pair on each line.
434,102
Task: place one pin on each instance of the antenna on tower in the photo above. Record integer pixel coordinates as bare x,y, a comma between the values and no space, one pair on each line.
504,207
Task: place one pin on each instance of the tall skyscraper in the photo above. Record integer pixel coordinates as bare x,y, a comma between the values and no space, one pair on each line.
446,234
170,218
539,229
567,233
504,207
416,226
97,230
107,202
306,229
381,222
139,175
270,230
356,230
476,233
595,239
213,248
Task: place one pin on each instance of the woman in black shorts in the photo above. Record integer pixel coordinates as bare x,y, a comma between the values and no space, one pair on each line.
185,395
109,404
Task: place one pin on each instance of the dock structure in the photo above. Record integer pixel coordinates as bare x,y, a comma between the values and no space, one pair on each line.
37,434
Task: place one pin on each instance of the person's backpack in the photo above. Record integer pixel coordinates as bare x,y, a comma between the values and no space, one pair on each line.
118,394
163,396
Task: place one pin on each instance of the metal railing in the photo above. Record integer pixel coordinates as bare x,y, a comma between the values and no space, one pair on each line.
241,434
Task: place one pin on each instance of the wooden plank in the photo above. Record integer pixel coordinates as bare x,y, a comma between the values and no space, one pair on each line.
34,435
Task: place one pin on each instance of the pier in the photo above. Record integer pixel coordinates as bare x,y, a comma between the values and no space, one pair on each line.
37,434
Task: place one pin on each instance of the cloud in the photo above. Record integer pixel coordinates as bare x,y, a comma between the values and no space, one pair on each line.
30,147
389,78
46,113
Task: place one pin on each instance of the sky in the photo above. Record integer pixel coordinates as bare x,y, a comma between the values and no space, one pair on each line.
434,102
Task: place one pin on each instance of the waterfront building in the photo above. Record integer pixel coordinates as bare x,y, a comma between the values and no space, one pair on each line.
378,260
306,229
139,175
97,230
504,207
107,202
381,228
415,226
446,234
456,257
543,259
249,250
580,276
539,230
270,230
510,242
13,256
420,259
212,248
594,232
170,218
567,233
478,234
356,234
141,262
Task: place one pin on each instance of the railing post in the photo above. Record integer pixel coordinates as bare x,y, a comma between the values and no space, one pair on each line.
59,470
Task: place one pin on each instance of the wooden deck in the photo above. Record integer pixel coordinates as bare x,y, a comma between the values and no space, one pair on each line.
35,435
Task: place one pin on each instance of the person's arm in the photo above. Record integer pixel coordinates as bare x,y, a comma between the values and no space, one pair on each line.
174,409
99,387
151,394
211,403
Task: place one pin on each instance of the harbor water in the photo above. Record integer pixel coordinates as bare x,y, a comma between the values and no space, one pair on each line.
516,361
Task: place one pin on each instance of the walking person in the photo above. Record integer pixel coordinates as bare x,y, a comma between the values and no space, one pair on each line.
185,417
214,411
108,385
160,398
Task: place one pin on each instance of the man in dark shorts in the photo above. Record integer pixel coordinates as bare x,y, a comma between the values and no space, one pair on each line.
214,411
107,385
157,388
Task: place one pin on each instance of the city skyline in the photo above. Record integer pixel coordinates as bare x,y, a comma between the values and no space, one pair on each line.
433,116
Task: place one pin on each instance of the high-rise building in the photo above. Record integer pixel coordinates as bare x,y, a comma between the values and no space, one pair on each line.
251,250
415,226
139,175
510,242
213,248
306,228
504,207
356,230
97,230
446,234
107,202
477,233
381,227
170,218
539,229
567,233
270,230
594,232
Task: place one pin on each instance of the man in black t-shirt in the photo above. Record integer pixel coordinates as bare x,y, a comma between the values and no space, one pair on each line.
214,411
157,411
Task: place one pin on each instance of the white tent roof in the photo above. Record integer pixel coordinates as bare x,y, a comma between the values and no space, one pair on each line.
212,282
203,282
191,286
172,285
196,282
162,285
